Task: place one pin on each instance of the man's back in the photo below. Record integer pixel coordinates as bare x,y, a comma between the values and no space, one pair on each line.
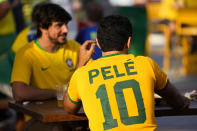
117,92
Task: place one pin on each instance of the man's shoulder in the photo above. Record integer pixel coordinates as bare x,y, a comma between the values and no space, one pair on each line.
72,44
69,41
142,58
27,48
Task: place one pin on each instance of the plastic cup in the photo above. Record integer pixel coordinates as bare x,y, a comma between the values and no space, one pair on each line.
60,94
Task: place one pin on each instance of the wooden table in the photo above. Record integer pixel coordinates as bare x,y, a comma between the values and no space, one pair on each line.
47,111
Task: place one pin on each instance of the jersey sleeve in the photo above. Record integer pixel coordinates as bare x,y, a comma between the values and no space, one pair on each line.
21,71
161,79
73,90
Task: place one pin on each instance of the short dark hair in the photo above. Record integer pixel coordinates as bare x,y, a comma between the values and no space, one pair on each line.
94,12
113,32
48,13
35,13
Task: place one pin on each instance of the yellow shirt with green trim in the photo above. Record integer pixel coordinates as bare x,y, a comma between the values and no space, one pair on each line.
117,92
39,68
7,24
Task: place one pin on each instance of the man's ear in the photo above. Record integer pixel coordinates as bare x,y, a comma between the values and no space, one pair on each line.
97,43
127,44
43,30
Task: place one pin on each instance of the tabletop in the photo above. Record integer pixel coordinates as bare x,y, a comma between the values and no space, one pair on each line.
47,111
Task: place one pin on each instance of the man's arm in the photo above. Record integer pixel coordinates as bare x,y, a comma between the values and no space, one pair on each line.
173,97
23,92
85,52
69,106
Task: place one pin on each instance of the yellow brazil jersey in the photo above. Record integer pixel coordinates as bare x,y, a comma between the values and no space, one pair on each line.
39,68
117,92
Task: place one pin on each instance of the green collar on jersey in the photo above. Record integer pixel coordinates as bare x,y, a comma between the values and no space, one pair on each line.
37,43
111,55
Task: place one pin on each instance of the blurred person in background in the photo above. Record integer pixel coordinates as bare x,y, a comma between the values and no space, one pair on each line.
7,24
7,36
94,14
107,7
25,36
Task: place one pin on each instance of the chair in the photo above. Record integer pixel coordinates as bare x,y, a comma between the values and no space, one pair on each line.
186,28
153,18
154,26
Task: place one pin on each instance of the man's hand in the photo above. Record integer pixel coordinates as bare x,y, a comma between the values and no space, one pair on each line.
85,52
186,103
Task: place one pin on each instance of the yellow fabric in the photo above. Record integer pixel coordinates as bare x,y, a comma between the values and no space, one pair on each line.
190,3
7,24
38,68
21,40
167,11
86,82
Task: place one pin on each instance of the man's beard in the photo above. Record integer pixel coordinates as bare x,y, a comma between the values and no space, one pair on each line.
55,40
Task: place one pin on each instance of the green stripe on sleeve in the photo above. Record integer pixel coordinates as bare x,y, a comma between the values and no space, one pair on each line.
74,102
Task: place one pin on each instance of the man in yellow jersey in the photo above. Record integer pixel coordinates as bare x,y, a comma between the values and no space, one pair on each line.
48,61
117,90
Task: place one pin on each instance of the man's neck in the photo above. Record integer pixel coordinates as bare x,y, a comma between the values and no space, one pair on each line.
48,45
114,52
